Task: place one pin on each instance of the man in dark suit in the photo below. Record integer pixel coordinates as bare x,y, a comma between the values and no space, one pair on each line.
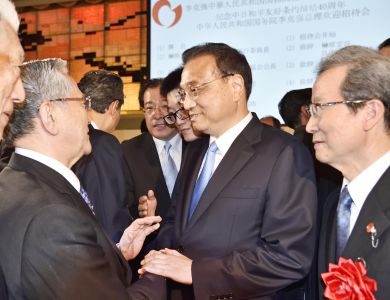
144,153
11,89
350,126
102,173
51,244
250,234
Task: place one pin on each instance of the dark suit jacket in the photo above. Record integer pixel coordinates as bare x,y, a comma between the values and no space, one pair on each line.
253,232
103,175
3,286
145,173
375,209
51,244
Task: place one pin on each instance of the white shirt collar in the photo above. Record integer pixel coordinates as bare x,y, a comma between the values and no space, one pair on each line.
361,185
176,150
175,141
227,138
51,163
94,125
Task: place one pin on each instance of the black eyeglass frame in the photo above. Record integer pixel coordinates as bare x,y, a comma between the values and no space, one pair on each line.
173,115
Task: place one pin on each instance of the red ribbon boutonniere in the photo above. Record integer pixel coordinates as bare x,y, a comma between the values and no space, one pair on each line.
348,280
371,230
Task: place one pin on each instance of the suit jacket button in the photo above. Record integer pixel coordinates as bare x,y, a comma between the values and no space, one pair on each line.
180,249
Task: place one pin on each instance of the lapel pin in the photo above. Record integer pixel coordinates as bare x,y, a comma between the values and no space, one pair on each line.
370,228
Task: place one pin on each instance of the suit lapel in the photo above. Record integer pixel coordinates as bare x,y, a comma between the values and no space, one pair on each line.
234,160
191,167
327,247
50,177
376,209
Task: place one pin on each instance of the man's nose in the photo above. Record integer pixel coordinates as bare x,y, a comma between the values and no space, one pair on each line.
311,125
18,94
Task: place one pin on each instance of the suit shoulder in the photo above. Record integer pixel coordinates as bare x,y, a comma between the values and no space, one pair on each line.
277,137
99,136
137,140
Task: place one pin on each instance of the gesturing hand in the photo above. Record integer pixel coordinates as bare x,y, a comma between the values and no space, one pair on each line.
134,236
147,205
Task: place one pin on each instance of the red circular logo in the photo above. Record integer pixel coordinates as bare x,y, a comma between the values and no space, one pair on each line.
156,10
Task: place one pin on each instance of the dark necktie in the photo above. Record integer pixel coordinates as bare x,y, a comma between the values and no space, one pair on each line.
84,194
203,178
169,167
343,217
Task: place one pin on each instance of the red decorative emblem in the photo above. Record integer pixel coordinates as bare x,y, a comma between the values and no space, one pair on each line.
371,230
348,281
160,4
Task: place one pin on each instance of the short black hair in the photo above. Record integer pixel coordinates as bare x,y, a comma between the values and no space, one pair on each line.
171,82
103,87
148,84
385,43
228,60
290,106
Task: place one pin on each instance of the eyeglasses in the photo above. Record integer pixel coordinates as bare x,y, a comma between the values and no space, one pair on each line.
314,109
149,110
85,99
194,91
181,114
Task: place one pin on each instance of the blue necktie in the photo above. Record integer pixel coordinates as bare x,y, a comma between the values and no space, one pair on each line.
203,178
169,167
343,216
84,194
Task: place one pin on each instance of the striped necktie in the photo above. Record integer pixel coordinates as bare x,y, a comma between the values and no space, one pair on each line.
343,217
84,195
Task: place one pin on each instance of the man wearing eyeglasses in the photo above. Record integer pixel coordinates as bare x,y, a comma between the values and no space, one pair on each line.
51,244
177,115
145,154
244,226
102,173
350,126
153,158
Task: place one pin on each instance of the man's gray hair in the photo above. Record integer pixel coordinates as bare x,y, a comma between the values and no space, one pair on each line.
368,76
43,80
9,14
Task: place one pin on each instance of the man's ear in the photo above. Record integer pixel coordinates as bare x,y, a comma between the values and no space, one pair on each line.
113,107
48,117
304,115
374,113
238,86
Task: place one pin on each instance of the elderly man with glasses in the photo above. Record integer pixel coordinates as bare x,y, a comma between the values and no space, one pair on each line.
350,121
51,244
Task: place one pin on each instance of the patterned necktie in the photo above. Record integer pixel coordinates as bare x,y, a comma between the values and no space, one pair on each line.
203,178
84,194
169,167
343,216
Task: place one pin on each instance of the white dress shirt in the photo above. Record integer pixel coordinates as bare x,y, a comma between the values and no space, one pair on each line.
53,164
176,149
226,140
361,185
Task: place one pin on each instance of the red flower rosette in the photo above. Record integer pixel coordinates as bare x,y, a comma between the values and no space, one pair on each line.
348,281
